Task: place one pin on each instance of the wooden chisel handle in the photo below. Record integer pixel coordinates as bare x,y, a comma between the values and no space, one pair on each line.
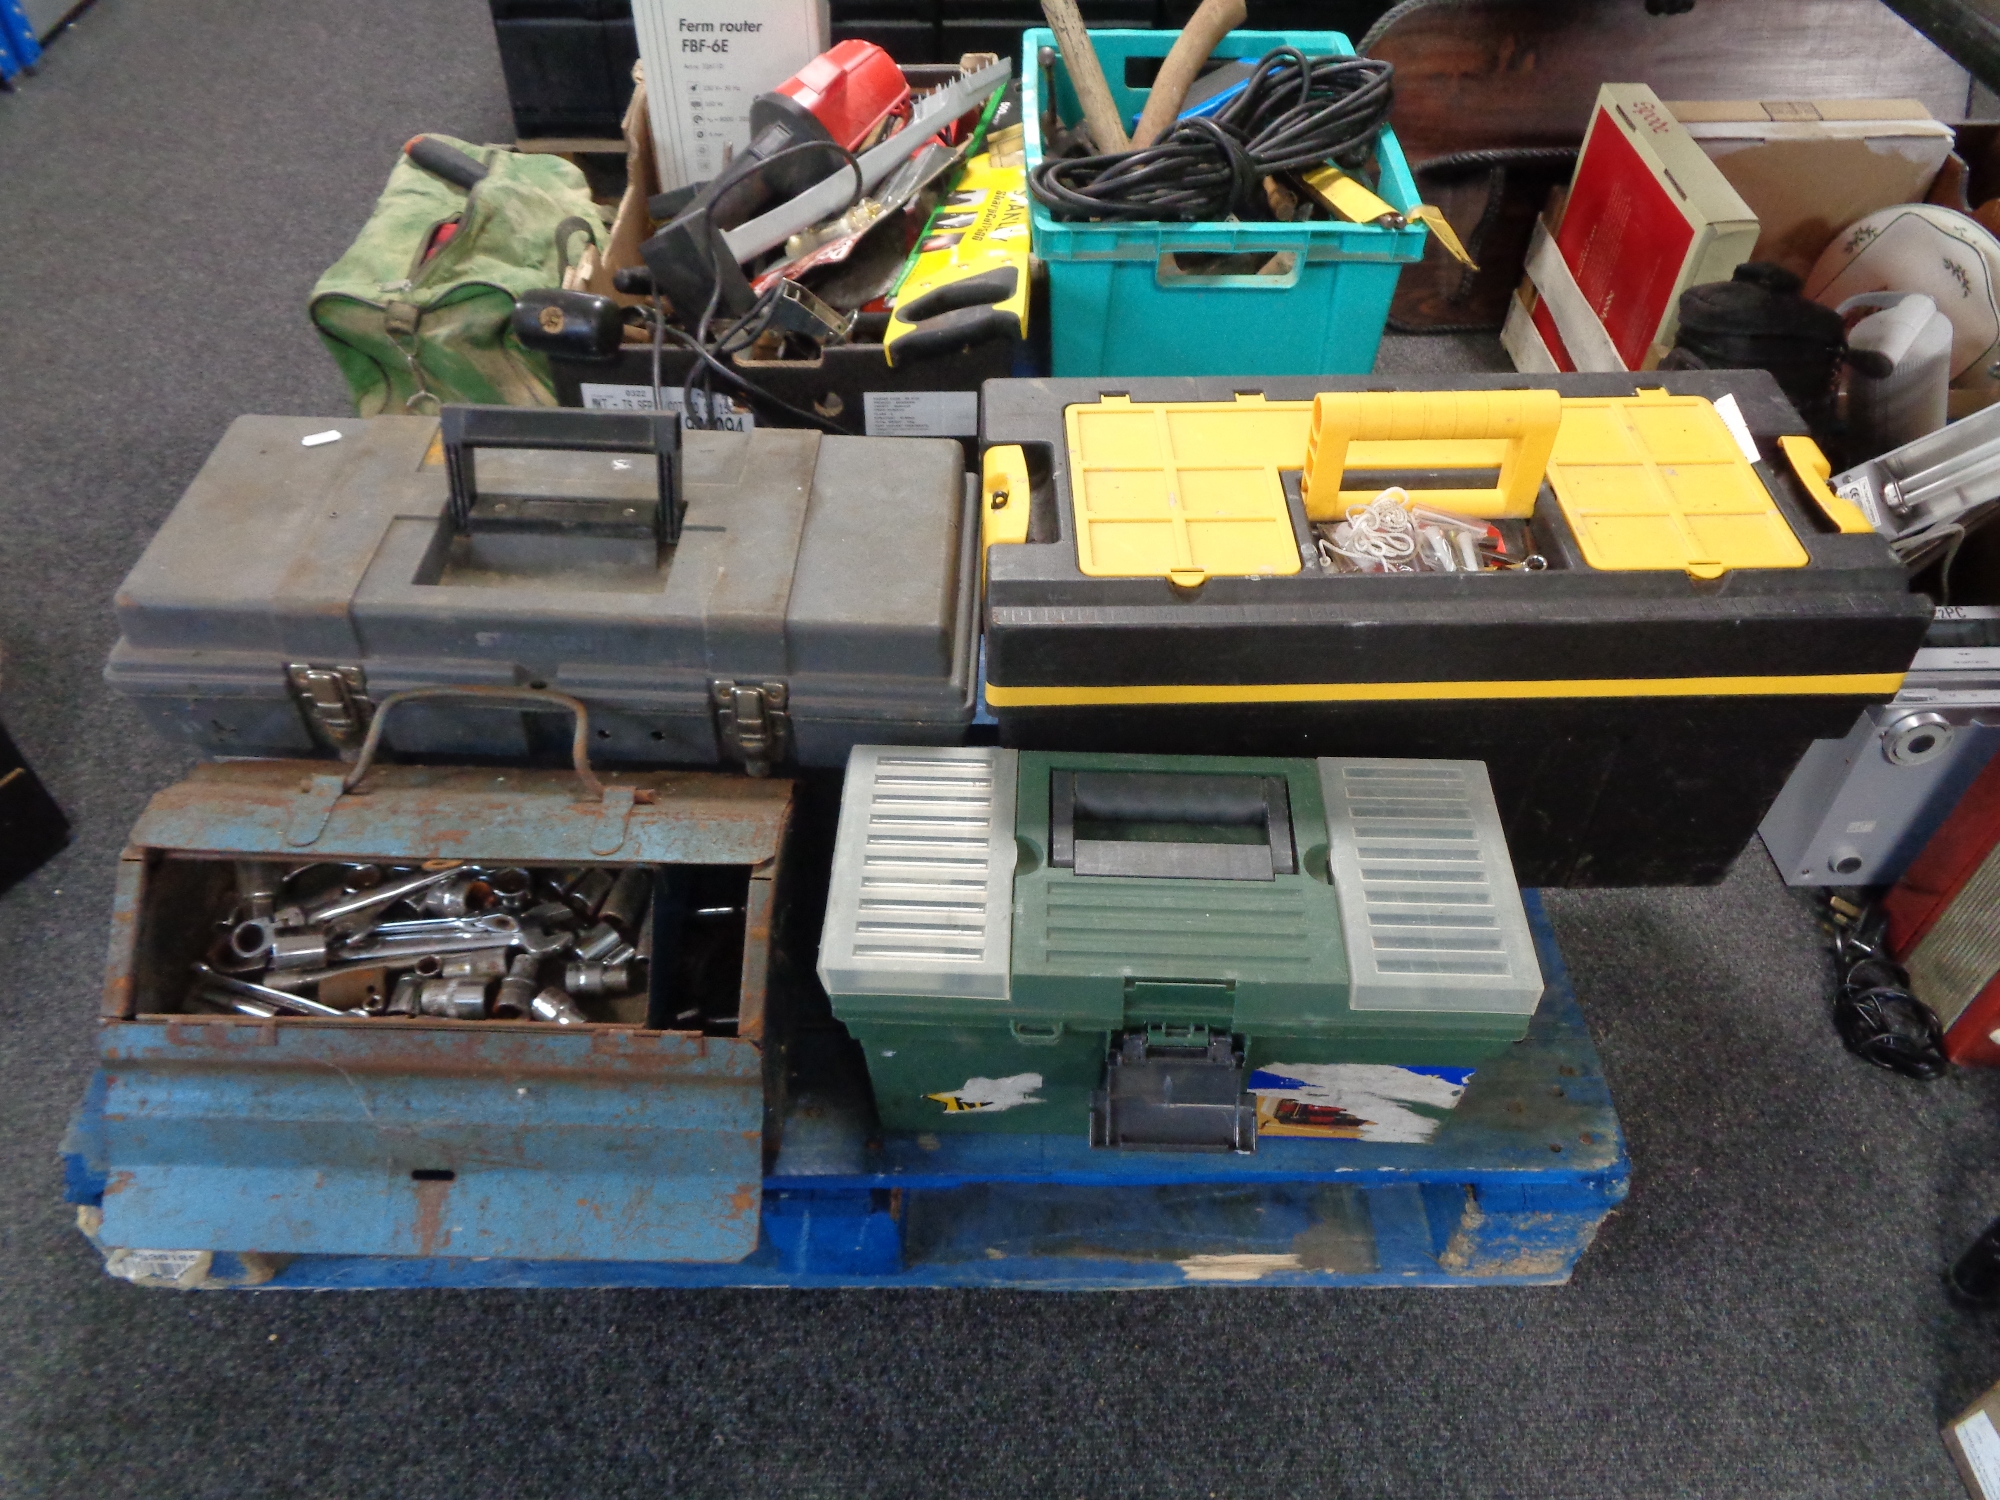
1207,26
1086,76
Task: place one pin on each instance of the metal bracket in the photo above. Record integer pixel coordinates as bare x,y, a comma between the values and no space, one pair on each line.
333,702
615,812
311,809
753,722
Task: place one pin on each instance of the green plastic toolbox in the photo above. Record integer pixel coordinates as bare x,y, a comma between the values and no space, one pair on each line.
1053,943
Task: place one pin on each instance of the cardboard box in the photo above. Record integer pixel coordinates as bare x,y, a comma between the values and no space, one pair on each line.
1648,215
1810,167
708,59
1972,1438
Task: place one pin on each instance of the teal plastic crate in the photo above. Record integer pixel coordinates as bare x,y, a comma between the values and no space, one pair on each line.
1120,302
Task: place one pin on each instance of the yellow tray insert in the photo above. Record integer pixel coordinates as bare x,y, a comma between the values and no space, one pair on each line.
1184,490
1656,481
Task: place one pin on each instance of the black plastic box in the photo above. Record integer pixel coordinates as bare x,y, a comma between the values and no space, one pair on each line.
1637,725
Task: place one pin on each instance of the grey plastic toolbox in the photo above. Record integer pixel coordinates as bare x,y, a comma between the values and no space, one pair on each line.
763,597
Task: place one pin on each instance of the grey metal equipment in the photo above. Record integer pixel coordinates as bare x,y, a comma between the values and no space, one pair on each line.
1924,495
631,896
462,897
599,943
751,722
512,889
298,950
1857,810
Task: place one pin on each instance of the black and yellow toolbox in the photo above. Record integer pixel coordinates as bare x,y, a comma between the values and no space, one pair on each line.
1638,605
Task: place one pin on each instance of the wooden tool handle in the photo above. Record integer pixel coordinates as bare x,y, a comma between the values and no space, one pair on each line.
1208,25
1086,75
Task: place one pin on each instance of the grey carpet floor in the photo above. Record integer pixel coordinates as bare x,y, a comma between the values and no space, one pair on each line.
1761,1319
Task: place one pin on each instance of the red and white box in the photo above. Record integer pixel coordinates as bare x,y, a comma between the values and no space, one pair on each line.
1648,216
1944,923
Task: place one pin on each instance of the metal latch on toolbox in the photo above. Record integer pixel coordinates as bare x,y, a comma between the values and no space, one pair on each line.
332,700
752,722
1172,1088
1925,493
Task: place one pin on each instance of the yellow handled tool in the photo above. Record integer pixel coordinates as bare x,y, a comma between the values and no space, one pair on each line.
1400,431
968,281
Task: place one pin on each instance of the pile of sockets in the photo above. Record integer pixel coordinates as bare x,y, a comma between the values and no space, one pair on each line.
457,941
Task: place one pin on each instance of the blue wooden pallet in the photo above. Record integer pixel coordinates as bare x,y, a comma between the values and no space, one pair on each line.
1509,1192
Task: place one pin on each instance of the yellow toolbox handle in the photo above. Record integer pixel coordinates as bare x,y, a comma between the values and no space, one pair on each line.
1003,499
1813,471
1512,431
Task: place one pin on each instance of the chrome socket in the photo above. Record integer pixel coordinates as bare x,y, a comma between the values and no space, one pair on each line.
454,999
597,980
599,943
625,907
514,998
296,950
467,896
554,1006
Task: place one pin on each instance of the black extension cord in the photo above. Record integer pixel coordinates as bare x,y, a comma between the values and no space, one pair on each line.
1878,1019
1295,113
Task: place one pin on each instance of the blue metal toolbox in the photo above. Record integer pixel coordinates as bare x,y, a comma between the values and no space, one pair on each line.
1503,1179
262,1094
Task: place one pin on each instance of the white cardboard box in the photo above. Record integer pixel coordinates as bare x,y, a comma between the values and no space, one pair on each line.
1973,1440
705,61
1810,167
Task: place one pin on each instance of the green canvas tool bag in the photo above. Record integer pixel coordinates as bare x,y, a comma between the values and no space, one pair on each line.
411,334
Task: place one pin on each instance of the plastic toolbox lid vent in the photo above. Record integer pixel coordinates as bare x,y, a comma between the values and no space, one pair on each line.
921,901
1432,916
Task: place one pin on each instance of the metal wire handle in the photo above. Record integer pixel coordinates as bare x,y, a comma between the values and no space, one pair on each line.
579,746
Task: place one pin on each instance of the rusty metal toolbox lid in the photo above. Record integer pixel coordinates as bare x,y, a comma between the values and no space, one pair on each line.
605,1146
458,812
822,590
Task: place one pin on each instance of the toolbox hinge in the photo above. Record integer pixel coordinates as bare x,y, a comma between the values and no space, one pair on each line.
333,701
752,721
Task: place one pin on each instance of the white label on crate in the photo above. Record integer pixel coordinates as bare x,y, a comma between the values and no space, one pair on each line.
991,1095
1355,1101
1980,1442
727,414
159,1267
706,60
921,413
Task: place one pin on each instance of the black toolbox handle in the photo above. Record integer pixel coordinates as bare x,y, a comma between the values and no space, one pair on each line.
562,429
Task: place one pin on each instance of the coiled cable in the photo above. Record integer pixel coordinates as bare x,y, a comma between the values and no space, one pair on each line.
1292,114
